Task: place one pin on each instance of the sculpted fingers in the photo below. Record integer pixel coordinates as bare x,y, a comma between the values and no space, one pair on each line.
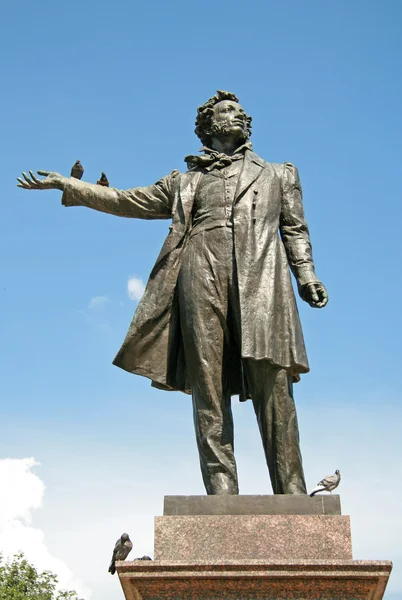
27,184
324,297
22,183
311,296
27,179
32,182
317,295
34,178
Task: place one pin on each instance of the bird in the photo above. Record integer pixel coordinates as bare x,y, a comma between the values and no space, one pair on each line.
328,484
77,170
121,550
103,180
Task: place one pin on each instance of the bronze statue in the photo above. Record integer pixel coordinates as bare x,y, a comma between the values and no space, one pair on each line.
219,316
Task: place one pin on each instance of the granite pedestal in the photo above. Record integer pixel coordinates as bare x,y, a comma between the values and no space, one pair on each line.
253,548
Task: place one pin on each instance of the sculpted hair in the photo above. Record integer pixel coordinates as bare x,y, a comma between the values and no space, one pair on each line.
205,112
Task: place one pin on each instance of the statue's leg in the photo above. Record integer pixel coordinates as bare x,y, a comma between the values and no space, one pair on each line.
203,305
271,390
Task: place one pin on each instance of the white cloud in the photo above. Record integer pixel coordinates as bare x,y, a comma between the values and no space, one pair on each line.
22,492
98,302
135,288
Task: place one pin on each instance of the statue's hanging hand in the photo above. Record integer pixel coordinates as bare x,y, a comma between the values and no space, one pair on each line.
52,181
315,294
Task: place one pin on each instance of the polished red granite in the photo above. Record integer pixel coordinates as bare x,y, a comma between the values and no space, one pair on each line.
254,580
247,537
232,556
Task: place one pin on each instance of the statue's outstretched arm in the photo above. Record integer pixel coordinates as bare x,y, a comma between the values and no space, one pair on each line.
150,202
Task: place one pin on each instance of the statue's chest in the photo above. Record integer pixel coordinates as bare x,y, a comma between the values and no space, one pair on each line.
217,188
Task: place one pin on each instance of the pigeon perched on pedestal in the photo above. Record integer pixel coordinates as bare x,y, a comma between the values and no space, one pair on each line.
77,170
328,484
103,180
121,550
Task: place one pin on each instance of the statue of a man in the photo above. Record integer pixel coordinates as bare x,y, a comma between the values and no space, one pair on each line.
219,317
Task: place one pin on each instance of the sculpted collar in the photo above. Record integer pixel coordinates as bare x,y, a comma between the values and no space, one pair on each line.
211,159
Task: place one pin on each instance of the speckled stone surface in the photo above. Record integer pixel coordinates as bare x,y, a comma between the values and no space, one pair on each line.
274,504
249,537
254,580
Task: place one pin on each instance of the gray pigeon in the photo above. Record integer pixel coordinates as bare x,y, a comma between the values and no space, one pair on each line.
121,550
77,170
328,484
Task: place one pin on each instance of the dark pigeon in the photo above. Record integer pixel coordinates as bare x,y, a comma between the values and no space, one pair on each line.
103,180
77,170
121,550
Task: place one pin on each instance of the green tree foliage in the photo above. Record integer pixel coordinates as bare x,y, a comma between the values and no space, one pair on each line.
19,580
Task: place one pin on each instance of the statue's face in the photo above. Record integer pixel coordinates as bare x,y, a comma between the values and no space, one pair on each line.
228,120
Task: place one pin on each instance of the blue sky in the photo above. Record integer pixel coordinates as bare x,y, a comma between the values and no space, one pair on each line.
117,86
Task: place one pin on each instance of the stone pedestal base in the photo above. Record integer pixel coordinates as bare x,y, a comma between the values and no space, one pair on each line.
253,548
249,537
254,580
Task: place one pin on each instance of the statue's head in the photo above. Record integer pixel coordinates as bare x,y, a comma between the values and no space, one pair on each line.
222,117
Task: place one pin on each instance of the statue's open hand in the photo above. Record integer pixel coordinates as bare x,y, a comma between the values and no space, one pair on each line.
52,181
315,294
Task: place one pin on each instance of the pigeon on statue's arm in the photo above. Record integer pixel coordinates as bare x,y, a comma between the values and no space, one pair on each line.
77,170
103,180
328,484
121,550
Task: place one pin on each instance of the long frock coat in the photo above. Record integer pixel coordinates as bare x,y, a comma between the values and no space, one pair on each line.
270,235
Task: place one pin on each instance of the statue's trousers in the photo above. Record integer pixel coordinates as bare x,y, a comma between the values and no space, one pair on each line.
211,329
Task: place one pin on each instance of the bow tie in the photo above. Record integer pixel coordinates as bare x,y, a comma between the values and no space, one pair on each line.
213,159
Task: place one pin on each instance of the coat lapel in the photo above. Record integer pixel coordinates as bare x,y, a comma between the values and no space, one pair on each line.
252,168
186,193
181,213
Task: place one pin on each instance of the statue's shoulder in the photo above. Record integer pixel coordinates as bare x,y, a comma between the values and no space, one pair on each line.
195,169
169,178
278,168
284,170
190,174
174,175
180,180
